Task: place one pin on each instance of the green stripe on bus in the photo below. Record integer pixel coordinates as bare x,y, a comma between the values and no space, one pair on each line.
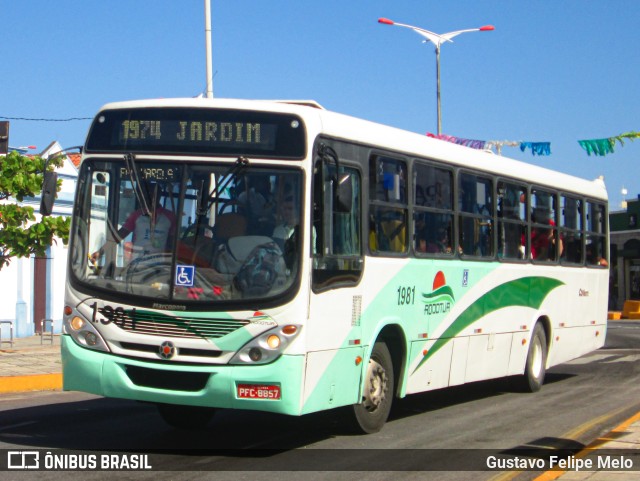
525,292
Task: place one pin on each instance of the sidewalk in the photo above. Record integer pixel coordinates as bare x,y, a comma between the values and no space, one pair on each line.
31,364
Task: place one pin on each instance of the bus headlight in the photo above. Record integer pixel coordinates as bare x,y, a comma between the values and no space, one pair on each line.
84,333
268,346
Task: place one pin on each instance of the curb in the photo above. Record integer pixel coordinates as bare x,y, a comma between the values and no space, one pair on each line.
599,443
33,382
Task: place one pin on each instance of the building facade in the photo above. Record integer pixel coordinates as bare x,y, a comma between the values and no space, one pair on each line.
625,254
33,288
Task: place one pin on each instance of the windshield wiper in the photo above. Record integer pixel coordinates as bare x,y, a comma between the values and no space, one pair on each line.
234,171
130,163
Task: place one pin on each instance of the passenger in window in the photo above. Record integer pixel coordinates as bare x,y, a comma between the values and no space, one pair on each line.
443,243
428,242
286,234
540,243
286,228
256,204
545,245
432,243
373,242
484,230
595,259
556,246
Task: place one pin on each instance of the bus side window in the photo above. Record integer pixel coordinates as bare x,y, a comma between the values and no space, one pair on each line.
571,227
475,204
545,243
433,210
596,240
512,221
388,212
336,233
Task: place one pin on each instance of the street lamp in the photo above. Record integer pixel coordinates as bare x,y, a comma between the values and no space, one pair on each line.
437,40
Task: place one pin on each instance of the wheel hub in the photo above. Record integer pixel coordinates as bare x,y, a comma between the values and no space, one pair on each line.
376,386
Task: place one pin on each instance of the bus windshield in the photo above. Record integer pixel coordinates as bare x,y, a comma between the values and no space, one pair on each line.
186,233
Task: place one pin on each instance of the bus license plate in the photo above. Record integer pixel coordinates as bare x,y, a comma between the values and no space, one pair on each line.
258,391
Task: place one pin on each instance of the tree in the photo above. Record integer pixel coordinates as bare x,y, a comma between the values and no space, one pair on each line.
20,234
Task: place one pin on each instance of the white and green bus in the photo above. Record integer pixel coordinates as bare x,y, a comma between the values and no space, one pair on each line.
279,257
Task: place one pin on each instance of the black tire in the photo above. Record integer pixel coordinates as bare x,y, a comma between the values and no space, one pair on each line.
373,411
535,369
185,417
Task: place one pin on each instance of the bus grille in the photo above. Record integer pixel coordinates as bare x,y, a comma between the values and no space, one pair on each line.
184,351
154,324
173,380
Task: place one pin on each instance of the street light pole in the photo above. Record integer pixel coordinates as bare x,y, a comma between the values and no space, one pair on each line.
438,89
207,34
437,40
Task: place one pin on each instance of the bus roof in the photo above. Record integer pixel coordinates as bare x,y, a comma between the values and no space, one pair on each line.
384,137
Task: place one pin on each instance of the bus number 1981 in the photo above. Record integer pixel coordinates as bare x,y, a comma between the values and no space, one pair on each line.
406,295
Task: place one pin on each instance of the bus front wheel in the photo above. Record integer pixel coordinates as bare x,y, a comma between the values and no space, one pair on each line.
377,397
185,417
535,369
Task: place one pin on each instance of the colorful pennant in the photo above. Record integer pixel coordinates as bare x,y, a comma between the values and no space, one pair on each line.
474,144
603,147
537,148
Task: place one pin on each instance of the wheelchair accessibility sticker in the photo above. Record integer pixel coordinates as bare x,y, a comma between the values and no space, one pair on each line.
185,275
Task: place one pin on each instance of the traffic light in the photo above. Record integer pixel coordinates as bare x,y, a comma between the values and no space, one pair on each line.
4,137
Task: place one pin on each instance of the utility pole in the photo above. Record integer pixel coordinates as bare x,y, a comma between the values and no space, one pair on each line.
4,137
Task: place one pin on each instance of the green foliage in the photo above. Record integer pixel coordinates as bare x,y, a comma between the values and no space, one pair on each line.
21,234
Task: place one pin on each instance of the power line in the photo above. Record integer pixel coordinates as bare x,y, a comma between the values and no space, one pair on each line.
45,120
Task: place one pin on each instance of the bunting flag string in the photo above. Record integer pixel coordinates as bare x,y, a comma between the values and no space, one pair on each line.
599,147
537,148
603,147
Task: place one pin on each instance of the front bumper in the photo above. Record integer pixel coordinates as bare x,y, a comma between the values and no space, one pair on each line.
215,386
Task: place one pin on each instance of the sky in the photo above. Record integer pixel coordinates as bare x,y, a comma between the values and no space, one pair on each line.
551,71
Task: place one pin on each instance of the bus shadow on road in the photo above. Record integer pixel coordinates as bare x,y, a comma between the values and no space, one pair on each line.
114,424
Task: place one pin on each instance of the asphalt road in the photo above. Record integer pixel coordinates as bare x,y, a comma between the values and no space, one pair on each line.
580,401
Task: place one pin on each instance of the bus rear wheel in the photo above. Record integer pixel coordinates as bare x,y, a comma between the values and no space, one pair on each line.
373,411
535,369
185,417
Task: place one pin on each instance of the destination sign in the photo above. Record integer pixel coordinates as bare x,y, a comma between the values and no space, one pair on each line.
190,132
156,172
198,130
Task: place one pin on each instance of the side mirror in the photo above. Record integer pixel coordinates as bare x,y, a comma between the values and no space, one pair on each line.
48,195
344,194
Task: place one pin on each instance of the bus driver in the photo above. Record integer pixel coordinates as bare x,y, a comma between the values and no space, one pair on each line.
152,232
